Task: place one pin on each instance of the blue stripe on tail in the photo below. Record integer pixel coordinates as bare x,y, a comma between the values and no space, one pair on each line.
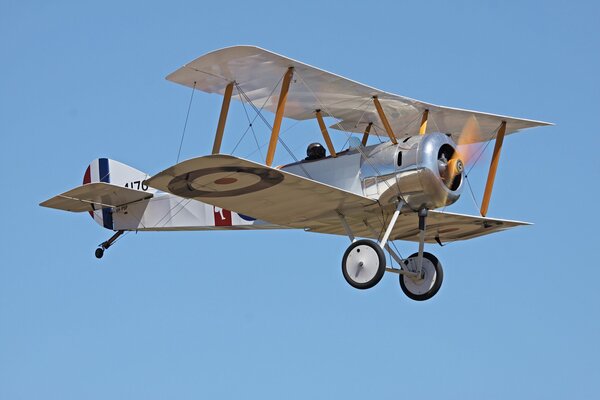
104,172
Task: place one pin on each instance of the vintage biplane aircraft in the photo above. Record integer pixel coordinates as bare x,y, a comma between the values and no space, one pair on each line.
380,192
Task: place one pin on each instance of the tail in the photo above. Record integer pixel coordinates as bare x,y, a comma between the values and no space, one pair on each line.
116,173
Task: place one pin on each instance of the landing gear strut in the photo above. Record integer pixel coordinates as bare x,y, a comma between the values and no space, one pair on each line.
427,274
364,264
105,245
427,283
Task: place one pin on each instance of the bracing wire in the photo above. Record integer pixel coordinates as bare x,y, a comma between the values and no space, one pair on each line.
187,116
251,128
482,151
247,128
472,193
268,125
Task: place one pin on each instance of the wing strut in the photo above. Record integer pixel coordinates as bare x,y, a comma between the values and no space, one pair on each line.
384,120
366,134
287,78
489,185
423,126
325,134
222,118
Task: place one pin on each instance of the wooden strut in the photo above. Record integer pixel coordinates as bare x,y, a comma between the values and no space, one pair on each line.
423,127
489,185
222,118
365,137
287,78
384,120
325,134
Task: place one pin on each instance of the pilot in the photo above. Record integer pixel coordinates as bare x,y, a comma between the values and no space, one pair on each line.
315,151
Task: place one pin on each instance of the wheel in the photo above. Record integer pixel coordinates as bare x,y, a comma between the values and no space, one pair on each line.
99,252
363,264
428,285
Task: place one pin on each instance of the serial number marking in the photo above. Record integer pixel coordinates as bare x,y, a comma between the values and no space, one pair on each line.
137,185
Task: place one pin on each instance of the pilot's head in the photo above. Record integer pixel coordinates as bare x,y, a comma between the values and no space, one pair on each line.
315,151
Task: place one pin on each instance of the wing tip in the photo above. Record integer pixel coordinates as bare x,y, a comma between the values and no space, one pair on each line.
171,77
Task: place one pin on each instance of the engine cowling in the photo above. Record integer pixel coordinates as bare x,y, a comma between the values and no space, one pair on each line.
424,171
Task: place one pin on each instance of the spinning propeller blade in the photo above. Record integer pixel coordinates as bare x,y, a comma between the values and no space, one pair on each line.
467,146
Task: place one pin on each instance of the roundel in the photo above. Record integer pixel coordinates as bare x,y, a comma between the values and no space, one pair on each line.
224,182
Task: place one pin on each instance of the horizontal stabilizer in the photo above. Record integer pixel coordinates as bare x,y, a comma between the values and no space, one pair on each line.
94,196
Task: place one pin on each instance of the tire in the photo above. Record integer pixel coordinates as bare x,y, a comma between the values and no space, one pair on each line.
99,252
363,264
430,285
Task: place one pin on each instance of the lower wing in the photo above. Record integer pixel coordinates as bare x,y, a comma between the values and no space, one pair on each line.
290,200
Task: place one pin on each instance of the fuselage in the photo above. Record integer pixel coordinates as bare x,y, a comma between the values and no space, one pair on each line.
412,171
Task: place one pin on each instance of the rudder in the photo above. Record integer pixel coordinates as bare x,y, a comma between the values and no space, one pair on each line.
114,172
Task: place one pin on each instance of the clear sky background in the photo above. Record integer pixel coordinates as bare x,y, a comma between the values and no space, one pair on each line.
268,314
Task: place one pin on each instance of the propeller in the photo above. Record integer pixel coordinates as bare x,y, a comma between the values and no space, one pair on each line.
452,162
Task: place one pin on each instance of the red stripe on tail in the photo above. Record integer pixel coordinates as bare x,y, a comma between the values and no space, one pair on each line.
87,178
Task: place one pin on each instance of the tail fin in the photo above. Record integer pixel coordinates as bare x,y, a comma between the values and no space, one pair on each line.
111,171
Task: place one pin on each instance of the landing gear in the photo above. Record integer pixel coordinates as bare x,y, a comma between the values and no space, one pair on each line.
363,264
424,285
105,245
99,252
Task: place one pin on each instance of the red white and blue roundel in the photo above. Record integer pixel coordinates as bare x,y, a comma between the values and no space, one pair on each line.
225,181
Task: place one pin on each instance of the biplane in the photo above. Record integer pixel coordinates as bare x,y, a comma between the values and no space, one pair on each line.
374,194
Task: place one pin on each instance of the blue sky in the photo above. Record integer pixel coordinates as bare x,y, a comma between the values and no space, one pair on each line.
268,314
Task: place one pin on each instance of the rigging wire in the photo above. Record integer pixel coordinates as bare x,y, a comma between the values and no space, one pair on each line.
472,193
359,120
249,126
481,151
157,224
377,135
397,251
250,154
187,116
279,138
495,134
240,93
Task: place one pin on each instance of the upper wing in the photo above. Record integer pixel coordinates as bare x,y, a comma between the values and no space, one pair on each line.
258,72
92,196
259,191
